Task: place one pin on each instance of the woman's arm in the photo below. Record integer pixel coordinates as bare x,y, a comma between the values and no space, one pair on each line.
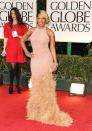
4,47
52,47
5,43
24,39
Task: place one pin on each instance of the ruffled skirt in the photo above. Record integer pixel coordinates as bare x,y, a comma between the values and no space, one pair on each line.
42,104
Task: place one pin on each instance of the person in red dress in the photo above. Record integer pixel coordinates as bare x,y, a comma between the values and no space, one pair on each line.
13,31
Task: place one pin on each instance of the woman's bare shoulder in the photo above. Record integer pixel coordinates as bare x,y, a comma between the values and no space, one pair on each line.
33,29
50,32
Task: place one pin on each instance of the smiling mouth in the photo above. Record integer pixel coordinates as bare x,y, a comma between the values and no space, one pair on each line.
40,23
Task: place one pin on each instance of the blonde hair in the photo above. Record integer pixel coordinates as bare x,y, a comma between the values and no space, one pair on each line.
45,15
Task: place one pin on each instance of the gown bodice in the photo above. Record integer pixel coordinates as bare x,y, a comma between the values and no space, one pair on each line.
40,40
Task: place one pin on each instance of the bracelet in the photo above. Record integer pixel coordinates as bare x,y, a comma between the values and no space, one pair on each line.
56,64
27,52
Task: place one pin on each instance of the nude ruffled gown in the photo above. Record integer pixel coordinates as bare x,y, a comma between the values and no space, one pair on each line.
42,104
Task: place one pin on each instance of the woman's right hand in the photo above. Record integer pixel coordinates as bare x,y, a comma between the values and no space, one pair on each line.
3,53
28,54
31,55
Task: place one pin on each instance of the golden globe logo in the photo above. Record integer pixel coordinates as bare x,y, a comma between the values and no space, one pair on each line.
70,15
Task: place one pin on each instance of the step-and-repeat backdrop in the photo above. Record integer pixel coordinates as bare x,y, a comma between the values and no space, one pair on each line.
71,20
27,8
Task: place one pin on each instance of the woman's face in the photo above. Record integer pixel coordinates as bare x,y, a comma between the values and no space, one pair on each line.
13,15
41,20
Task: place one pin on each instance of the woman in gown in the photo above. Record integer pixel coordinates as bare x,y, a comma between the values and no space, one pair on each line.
42,104
13,31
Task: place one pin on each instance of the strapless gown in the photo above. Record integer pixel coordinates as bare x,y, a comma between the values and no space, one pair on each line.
42,104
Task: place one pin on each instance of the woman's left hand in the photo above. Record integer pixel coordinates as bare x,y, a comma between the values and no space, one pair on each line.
54,68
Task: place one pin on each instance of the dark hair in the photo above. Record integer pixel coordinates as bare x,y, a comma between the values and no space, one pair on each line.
18,17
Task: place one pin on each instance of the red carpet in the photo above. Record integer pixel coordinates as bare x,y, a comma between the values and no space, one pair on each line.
13,112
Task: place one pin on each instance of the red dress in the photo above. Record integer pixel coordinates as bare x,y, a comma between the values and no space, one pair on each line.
14,51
